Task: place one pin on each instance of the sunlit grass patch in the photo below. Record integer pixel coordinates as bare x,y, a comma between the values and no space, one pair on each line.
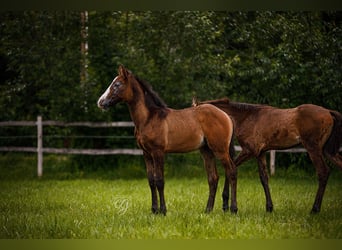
120,209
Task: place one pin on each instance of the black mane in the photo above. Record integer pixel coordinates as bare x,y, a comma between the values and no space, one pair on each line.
246,107
152,99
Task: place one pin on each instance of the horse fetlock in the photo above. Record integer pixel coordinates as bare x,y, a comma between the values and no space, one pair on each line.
154,210
208,210
225,207
269,208
315,209
233,209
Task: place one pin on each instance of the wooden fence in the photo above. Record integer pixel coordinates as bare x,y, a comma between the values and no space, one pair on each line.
128,151
40,149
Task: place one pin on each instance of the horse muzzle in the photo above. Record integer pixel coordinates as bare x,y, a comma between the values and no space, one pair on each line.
106,104
103,104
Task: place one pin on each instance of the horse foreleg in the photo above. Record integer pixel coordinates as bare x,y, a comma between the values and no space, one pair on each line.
210,167
243,156
158,161
323,172
150,176
336,159
264,181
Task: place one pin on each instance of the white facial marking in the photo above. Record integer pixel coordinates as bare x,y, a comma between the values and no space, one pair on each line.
106,93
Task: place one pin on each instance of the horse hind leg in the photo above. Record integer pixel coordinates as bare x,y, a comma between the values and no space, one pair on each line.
264,181
210,167
323,172
225,195
231,175
230,180
332,145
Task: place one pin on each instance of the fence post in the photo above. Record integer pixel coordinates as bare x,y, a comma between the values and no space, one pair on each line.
40,146
272,161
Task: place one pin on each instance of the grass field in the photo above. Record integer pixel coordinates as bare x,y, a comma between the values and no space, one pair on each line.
118,208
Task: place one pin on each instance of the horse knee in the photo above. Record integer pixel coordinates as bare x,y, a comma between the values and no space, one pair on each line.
213,182
323,176
160,184
151,183
323,172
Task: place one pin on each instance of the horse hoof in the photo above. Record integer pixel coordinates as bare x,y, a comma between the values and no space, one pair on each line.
155,210
208,210
269,209
233,210
315,211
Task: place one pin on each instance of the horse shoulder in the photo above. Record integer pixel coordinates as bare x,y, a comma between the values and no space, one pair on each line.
151,136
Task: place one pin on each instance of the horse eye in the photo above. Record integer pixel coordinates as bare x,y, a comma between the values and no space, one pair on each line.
117,84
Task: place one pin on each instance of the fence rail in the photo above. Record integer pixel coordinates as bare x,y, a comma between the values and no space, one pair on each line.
128,151
121,151
40,149
66,124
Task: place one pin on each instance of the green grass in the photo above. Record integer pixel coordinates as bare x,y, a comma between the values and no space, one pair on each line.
119,208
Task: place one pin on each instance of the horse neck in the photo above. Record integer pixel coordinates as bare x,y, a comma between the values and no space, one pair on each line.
238,112
137,108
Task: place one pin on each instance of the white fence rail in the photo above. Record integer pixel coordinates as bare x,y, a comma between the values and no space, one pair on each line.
128,151
40,149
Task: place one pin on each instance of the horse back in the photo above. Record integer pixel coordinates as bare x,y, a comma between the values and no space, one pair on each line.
188,129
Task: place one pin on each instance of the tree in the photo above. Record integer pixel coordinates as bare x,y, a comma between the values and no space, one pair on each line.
42,49
277,58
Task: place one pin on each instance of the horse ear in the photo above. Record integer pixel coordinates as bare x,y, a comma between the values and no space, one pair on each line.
123,72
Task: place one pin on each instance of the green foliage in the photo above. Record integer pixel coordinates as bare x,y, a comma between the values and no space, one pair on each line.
42,50
278,58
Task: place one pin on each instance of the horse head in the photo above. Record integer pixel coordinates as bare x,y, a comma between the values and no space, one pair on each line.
118,91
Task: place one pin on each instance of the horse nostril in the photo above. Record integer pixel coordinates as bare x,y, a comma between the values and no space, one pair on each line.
103,104
100,103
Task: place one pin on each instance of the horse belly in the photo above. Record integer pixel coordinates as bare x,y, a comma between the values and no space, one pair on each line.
184,139
284,138
280,133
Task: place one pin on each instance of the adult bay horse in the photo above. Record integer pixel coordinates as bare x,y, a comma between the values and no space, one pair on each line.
160,130
260,128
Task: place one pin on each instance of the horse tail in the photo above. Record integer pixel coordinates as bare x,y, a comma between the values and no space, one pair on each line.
334,141
231,146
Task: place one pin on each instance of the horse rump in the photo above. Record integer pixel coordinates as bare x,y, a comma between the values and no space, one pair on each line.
334,141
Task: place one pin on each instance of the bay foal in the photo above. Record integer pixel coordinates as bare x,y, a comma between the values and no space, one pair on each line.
259,128
160,130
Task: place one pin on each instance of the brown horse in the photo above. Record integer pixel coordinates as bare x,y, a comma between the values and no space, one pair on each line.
160,130
260,128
